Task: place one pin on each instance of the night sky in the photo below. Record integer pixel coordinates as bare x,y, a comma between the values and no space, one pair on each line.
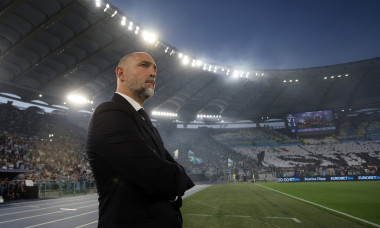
263,34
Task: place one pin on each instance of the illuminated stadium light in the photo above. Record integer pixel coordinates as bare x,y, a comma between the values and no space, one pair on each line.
325,78
164,114
346,75
149,36
199,63
235,74
180,55
285,81
228,72
262,74
202,116
332,76
193,63
114,13
339,76
257,74
157,43
185,60
247,74
204,67
290,80
137,30
77,99
130,27
296,80
222,69
167,49
40,95
172,52
215,68
97,3
209,67
107,7
123,21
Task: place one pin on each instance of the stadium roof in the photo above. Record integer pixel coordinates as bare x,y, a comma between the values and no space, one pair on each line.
58,47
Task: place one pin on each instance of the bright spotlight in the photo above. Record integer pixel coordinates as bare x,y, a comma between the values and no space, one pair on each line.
180,55
97,3
185,60
149,36
235,74
114,13
199,63
78,99
130,27
123,21
107,7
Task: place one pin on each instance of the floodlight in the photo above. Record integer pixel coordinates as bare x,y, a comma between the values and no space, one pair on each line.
123,21
332,76
209,67
228,72
114,13
199,63
325,78
346,75
215,69
40,95
235,74
339,76
185,60
285,81
172,52
222,69
107,7
137,30
149,36
97,3
78,99
296,80
130,27
262,74
158,42
193,63
180,55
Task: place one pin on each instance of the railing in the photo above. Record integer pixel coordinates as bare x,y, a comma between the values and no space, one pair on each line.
63,189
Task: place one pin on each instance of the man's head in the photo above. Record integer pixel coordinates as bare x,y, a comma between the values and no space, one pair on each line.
136,74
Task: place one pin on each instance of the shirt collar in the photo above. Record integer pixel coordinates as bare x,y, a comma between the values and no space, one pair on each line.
134,103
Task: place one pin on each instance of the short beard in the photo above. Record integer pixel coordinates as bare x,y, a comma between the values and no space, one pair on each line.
144,93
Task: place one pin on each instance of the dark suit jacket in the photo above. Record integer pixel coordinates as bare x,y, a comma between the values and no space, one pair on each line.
134,173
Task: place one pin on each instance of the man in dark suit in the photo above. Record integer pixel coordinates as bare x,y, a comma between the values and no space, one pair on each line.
138,181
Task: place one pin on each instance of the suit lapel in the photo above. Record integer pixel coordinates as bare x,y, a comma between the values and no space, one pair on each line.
119,99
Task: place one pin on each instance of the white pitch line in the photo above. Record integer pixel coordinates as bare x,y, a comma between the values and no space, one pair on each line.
55,212
208,205
39,209
86,224
35,203
236,216
324,207
57,220
294,219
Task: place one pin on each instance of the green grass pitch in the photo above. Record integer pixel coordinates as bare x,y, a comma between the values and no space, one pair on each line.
238,205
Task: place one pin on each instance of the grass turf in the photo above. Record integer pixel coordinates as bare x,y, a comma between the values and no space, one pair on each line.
249,205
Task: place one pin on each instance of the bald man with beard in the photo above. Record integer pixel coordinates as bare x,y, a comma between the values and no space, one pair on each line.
139,183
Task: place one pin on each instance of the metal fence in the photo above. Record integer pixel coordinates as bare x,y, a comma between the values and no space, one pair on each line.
64,189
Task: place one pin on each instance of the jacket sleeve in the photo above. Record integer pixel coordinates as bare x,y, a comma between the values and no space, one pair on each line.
115,139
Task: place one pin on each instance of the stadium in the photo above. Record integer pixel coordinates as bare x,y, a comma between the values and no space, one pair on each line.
266,147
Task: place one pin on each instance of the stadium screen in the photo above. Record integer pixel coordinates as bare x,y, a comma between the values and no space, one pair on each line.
311,122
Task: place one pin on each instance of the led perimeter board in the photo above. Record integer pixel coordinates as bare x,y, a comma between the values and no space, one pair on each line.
311,122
